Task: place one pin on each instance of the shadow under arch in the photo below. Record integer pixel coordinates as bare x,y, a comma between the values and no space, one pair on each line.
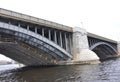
104,50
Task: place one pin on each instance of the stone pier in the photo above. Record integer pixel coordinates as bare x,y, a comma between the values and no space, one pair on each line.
81,51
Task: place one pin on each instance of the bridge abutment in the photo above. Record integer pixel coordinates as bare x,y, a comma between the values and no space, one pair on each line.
81,51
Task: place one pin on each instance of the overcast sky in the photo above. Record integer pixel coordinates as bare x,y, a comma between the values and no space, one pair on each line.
101,17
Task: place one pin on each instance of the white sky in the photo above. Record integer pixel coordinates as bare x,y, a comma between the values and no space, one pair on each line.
101,17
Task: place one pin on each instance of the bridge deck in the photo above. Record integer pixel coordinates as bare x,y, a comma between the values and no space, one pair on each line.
35,20
101,38
31,19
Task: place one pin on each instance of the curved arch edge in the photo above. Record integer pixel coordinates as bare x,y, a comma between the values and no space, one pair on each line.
102,43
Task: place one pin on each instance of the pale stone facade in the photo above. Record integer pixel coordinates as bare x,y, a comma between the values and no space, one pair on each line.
81,50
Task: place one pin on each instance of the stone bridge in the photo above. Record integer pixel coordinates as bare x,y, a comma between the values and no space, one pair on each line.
34,41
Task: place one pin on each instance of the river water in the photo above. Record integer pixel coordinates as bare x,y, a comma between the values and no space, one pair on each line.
107,71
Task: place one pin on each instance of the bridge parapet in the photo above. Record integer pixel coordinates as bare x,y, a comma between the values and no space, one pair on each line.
35,20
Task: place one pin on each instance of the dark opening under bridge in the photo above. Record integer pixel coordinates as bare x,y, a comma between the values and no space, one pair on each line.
34,41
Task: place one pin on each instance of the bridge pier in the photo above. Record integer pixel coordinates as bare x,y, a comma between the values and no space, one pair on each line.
81,51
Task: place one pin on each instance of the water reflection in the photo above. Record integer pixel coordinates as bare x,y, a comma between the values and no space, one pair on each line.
108,71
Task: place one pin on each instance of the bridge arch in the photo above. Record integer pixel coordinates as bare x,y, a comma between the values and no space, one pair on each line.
104,50
22,35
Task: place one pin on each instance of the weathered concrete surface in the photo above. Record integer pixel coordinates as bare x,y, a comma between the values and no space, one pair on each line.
81,50
79,41
87,55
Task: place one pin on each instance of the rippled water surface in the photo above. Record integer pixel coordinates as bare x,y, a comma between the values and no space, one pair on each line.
107,71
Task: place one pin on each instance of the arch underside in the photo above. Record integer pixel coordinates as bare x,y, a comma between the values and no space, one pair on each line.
104,50
26,53
28,49
18,53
